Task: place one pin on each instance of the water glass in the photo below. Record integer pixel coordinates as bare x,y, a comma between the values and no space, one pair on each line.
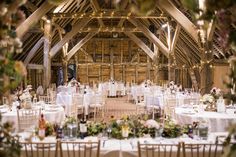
203,132
72,130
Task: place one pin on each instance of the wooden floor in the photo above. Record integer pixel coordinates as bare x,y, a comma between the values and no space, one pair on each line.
118,108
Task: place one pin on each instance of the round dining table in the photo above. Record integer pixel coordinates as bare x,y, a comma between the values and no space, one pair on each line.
217,122
52,114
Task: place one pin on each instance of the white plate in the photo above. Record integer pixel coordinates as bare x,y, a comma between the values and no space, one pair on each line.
3,110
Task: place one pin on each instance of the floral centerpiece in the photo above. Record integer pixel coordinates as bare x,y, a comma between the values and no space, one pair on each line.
94,128
209,101
171,129
49,129
73,83
26,98
216,92
153,126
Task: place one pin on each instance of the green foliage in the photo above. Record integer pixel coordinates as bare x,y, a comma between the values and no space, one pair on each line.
10,18
94,128
69,120
171,129
9,144
49,130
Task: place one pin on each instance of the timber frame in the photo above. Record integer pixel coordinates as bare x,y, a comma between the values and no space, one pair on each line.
93,34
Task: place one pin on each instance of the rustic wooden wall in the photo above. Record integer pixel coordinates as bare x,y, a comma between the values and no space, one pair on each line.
129,63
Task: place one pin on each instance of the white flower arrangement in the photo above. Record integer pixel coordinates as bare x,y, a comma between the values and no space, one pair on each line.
208,98
26,94
152,124
216,92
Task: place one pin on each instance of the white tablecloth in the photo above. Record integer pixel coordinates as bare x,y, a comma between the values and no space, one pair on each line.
218,122
66,100
128,148
52,115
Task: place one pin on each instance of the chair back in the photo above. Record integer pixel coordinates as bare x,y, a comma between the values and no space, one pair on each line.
79,148
39,149
45,98
78,99
202,150
159,150
27,118
169,108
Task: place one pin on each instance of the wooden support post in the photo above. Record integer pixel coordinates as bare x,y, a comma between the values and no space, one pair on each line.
136,74
65,70
87,72
76,67
112,64
46,56
148,74
206,73
156,62
99,73
171,69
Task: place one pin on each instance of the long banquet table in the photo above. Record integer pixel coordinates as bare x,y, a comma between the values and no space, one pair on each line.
128,147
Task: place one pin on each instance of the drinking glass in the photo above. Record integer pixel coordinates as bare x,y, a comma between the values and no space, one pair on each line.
72,130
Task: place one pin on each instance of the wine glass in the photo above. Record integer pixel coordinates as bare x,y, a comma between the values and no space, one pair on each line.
109,132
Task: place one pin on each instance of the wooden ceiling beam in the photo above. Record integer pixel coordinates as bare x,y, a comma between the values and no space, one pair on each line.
86,54
179,17
33,51
97,8
141,44
68,36
150,36
211,30
175,38
33,18
35,66
123,6
102,15
79,45
109,29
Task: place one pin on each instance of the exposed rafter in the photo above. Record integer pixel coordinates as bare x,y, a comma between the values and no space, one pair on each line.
141,44
69,35
35,66
175,38
210,30
150,36
104,15
86,53
33,18
33,51
97,8
109,29
179,17
80,44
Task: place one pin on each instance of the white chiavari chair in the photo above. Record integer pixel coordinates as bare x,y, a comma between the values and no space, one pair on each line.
97,105
27,118
169,108
45,98
80,149
39,149
159,150
77,103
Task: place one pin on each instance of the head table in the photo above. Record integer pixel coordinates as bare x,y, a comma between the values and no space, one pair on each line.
128,147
